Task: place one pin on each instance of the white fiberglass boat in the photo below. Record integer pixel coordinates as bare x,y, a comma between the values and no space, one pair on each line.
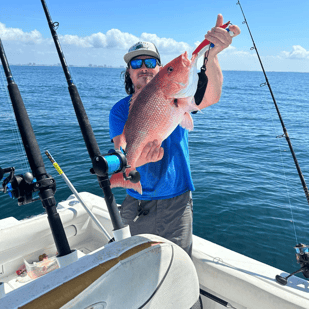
143,271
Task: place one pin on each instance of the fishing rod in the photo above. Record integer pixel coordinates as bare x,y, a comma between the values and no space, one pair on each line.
115,161
302,251
22,186
285,133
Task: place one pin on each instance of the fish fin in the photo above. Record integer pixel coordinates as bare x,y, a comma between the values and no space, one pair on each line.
117,180
187,122
195,107
123,141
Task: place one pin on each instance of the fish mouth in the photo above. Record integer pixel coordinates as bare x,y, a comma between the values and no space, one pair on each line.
190,88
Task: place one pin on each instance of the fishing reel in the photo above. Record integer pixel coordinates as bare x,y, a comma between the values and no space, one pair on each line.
24,187
302,258
114,161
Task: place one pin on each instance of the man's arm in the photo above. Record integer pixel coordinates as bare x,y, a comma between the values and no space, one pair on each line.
221,39
214,85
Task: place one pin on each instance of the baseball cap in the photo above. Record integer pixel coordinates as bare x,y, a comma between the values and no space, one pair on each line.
142,48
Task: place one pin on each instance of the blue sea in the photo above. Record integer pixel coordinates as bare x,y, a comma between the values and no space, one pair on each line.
248,195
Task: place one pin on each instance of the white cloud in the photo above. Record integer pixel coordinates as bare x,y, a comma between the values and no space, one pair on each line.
166,45
113,38
298,52
15,34
74,40
116,38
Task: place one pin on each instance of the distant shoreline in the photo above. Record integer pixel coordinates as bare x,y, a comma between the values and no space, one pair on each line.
76,66
123,67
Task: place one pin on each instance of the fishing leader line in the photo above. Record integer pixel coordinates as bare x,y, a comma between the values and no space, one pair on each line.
285,133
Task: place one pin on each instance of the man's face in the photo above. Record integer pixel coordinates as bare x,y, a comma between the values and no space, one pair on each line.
142,76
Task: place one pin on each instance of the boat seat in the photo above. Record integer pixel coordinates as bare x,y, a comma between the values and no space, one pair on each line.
143,271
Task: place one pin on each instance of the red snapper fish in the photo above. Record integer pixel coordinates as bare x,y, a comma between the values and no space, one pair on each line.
163,104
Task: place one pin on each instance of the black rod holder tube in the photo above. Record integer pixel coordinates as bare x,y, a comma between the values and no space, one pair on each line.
86,129
35,159
110,200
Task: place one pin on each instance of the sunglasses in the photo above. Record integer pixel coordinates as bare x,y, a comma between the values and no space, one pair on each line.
150,63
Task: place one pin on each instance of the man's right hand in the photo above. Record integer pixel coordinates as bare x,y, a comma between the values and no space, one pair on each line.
152,152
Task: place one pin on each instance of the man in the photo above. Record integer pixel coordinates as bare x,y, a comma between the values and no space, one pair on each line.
165,207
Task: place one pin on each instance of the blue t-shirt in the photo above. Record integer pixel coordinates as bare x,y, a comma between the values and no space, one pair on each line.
163,179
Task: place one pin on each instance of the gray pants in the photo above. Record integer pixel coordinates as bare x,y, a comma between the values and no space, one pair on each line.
168,218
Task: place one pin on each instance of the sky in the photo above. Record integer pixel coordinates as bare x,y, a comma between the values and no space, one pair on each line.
99,32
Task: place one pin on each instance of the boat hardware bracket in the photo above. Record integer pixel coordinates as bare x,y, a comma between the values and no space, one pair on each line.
302,258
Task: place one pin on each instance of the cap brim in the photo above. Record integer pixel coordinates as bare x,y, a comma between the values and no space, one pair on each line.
127,57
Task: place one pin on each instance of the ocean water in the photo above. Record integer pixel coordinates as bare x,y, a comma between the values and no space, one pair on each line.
248,195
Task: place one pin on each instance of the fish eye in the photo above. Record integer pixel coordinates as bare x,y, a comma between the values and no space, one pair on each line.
170,69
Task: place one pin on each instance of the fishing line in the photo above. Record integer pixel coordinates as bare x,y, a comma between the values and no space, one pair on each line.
285,134
283,171
16,138
284,174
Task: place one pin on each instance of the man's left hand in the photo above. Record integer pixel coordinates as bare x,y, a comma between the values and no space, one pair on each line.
220,37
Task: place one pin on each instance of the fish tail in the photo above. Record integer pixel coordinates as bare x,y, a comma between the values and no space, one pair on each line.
117,180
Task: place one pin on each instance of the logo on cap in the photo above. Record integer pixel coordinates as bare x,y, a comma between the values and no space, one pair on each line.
139,45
